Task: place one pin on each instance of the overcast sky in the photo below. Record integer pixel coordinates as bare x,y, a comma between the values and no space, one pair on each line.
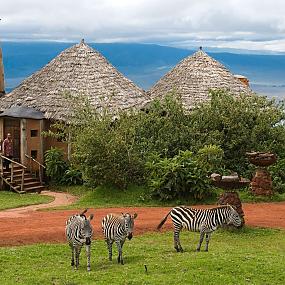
241,24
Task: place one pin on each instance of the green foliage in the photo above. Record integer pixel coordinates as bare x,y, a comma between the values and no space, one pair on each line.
179,177
58,170
114,151
72,177
55,164
211,157
239,125
277,171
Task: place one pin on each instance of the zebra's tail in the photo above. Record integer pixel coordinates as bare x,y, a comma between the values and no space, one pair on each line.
163,221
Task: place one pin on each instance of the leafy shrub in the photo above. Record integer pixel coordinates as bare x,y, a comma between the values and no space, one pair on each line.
211,157
55,164
180,177
277,172
72,177
109,151
239,125
115,151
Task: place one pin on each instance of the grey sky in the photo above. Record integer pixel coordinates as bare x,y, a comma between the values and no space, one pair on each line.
246,24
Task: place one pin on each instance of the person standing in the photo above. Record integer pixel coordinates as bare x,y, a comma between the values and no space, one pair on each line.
7,149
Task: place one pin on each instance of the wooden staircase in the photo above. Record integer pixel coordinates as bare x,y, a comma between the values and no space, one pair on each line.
19,179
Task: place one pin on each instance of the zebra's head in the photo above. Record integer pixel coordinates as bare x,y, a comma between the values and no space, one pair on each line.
234,217
129,224
87,229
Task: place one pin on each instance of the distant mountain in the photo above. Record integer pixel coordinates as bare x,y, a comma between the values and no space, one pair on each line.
145,63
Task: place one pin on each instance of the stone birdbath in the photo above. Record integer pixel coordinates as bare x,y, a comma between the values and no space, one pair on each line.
261,183
230,196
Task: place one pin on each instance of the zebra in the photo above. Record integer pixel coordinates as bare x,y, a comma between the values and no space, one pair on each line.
78,232
204,221
117,228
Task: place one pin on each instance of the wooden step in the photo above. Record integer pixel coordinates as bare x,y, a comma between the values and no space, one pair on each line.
34,189
26,179
33,183
20,175
18,189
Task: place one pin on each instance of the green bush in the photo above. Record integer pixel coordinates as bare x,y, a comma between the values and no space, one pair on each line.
114,151
277,172
180,177
239,125
58,170
72,177
211,158
55,165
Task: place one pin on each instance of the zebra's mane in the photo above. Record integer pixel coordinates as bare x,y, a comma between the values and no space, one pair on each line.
214,208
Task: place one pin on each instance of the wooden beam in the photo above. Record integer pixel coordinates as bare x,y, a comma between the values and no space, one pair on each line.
23,138
42,143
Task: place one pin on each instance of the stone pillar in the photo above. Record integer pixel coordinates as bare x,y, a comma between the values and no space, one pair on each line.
232,198
261,184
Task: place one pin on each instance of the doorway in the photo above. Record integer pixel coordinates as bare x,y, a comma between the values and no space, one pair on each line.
12,126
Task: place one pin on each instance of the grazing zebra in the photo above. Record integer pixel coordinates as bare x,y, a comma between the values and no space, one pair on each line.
78,232
204,221
117,228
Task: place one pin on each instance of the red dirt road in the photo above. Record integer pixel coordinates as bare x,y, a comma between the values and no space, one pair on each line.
37,227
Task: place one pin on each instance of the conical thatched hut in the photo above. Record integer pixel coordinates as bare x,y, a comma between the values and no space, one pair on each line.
79,70
194,77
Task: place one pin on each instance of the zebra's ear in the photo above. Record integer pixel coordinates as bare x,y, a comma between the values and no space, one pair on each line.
90,217
135,215
82,213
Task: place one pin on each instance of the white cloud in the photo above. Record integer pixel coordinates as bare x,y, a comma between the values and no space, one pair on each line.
247,24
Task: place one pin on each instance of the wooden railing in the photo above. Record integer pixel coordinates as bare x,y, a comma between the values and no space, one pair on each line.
41,167
13,163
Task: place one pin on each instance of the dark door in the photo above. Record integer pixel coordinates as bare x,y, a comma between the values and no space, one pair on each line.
12,126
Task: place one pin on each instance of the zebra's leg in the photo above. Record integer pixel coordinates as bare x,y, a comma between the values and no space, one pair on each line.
200,241
72,254
77,253
120,252
88,253
177,245
208,236
109,245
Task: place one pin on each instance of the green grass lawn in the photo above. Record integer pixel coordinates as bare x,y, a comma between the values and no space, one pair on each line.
10,199
252,256
137,196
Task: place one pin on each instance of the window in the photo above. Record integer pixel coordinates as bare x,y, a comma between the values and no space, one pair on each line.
34,133
34,154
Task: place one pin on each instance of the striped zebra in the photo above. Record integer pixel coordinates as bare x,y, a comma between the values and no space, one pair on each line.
204,221
78,232
117,228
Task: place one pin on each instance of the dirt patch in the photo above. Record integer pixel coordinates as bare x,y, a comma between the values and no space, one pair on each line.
37,227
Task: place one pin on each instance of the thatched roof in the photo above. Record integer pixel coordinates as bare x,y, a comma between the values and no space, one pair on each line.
77,70
194,77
